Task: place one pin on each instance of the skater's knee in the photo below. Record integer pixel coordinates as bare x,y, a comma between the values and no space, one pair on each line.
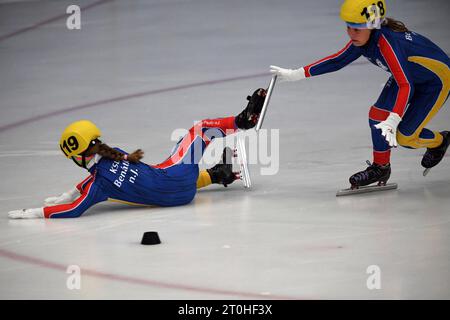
377,115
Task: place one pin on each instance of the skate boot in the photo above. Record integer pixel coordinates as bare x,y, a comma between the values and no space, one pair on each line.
433,156
374,173
222,173
248,118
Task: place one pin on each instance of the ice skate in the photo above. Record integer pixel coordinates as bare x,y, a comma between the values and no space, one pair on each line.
222,173
360,182
433,156
248,118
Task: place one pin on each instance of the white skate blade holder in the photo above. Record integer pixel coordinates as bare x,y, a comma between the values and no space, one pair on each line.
366,189
244,171
266,103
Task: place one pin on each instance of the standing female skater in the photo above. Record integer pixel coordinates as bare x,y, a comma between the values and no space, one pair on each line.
418,87
119,176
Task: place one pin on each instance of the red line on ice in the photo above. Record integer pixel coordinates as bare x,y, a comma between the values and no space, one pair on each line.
49,20
125,97
138,281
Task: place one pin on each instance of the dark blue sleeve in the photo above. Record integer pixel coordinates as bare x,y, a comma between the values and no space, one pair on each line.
334,62
91,195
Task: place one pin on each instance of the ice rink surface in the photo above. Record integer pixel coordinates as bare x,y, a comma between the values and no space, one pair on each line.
140,69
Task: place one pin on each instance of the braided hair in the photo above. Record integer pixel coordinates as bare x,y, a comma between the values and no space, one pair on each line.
102,149
395,25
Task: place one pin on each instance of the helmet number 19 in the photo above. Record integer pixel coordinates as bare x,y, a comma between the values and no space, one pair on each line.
71,144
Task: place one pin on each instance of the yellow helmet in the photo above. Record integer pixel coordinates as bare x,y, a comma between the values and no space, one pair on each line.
363,14
77,136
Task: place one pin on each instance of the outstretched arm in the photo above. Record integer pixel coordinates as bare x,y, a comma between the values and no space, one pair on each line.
329,64
334,62
90,195
68,196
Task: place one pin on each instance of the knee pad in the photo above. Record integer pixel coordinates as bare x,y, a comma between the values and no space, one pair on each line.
377,114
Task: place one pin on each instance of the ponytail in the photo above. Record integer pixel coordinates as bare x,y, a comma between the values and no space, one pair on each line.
395,25
107,152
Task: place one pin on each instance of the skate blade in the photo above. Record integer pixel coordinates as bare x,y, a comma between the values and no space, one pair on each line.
266,103
244,172
426,171
366,189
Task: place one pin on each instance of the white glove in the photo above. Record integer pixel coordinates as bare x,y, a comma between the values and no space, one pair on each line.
288,74
388,128
36,213
66,197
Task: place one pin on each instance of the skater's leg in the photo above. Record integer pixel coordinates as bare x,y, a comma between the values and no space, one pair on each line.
191,147
380,169
425,105
381,149
221,173
378,113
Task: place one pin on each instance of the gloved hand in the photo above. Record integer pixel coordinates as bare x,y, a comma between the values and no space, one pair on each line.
66,197
388,128
35,213
288,74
